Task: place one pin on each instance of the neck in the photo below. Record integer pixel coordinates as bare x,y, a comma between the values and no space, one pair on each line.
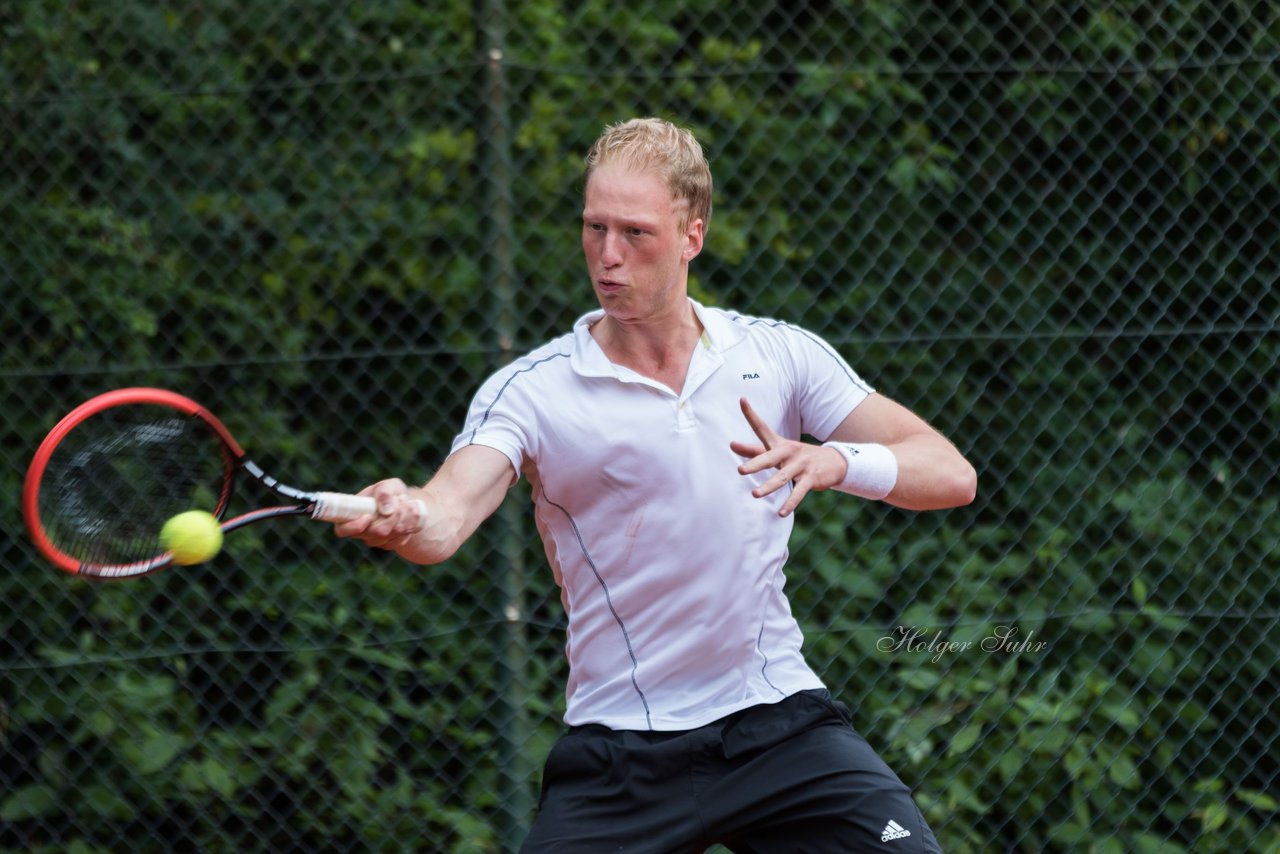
657,348
652,337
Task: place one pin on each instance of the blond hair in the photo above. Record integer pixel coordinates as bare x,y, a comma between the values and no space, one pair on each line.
656,145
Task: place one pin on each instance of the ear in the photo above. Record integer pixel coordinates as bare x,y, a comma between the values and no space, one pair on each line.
694,234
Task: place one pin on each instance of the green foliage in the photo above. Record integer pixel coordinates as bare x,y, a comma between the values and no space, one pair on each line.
1046,227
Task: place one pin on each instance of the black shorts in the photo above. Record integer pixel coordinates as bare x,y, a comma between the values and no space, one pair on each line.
793,777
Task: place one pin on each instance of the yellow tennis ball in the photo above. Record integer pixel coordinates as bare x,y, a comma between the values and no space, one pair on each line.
193,537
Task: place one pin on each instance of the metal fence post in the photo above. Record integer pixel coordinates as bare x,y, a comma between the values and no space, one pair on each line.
511,645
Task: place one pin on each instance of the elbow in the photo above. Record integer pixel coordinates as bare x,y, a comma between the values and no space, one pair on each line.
962,485
956,486
966,485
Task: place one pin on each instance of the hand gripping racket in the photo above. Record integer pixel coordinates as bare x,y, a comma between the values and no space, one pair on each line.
113,471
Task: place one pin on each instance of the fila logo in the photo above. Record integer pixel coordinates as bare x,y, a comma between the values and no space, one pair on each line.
893,830
751,376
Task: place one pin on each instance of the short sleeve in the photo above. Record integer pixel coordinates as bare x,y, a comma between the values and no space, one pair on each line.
826,388
500,417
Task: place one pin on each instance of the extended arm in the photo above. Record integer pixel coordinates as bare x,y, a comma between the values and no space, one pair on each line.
464,492
931,473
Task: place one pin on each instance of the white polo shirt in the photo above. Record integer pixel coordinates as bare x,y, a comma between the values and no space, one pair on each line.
670,572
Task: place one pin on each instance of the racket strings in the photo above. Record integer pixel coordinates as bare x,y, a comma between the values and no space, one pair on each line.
116,479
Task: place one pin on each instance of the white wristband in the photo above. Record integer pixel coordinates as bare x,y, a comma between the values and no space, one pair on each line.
872,469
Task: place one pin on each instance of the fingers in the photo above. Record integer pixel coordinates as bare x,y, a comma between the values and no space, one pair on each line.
382,492
400,515
794,499
759,456
742,449
772,485
802,466
792,471
770,453
763,431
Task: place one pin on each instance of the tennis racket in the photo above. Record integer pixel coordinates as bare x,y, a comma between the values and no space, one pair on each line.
113,471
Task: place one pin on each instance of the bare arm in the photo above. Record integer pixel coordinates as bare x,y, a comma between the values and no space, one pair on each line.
932,474
464,492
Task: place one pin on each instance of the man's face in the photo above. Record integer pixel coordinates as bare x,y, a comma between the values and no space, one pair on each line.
637,252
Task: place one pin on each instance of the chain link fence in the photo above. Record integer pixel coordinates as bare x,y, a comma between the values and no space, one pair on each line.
1047,228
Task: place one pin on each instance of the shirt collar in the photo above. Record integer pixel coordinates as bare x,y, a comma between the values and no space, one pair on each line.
719,333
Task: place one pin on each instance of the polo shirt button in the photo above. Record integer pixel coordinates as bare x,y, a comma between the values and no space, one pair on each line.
684,415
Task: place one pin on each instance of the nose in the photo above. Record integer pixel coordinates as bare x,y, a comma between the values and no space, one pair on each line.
611,249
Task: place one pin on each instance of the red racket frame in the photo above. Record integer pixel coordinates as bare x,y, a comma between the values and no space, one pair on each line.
233,458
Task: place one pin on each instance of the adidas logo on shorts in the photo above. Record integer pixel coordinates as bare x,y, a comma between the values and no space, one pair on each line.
893,830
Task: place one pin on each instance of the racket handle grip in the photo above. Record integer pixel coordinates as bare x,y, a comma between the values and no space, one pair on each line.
340,507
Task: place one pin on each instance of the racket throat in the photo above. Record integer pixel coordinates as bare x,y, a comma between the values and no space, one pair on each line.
255,471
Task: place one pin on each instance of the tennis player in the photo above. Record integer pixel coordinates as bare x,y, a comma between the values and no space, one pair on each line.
662,441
